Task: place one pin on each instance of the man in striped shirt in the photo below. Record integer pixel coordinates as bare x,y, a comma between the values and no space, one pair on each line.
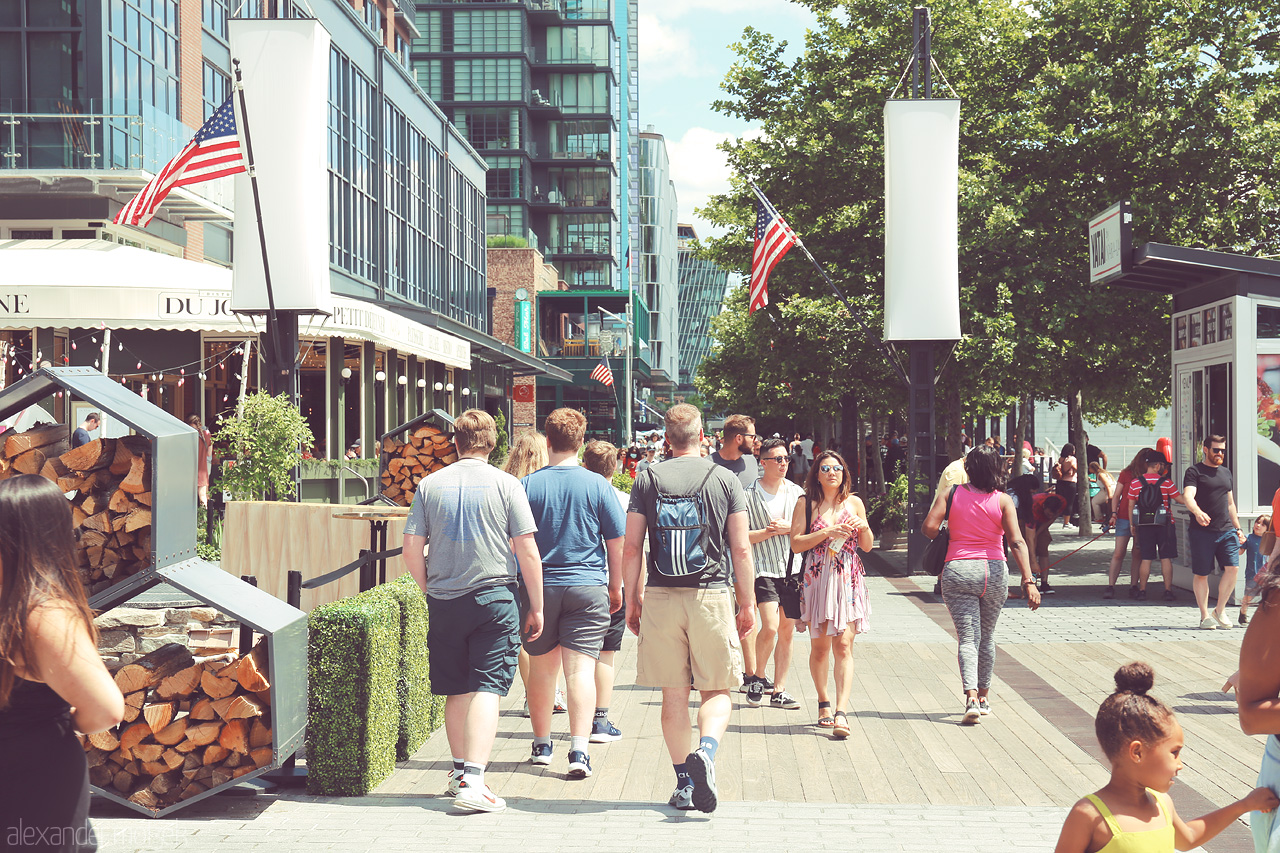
770,504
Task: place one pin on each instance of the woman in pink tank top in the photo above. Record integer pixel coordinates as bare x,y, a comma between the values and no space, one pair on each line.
975,578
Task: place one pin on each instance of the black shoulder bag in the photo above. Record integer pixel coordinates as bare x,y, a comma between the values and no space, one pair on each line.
935,556
789,595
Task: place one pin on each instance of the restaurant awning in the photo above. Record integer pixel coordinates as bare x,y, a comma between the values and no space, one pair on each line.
88,283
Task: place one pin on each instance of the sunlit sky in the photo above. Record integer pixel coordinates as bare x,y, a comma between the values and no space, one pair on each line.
684,54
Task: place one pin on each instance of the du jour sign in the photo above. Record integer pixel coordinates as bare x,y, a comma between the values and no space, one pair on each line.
211,304
1110,243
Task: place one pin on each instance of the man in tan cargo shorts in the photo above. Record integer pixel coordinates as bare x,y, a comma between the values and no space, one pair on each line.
684,607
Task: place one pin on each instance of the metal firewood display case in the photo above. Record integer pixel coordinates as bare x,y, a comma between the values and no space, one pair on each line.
173,447
401,436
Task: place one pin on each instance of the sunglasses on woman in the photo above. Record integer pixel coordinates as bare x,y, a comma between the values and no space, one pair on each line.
827,469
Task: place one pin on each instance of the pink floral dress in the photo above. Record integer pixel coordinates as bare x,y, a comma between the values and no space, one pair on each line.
834,589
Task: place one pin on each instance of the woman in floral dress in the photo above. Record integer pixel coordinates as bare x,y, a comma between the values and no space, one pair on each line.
833,593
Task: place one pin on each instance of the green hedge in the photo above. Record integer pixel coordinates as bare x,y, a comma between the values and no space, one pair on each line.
353,716
421,713
371,703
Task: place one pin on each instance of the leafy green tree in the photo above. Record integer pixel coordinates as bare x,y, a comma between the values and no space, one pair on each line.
499,455
1067,107
264,442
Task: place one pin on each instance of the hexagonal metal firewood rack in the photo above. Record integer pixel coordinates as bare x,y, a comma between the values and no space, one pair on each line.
173,558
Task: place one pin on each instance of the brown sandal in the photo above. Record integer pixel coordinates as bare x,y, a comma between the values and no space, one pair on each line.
825,721
840,732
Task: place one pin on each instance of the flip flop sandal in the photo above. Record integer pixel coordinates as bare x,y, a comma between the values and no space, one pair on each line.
825,721
840,732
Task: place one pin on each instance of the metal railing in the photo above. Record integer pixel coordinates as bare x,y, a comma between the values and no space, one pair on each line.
65,135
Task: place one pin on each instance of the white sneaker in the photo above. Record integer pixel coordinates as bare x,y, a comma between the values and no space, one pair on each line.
478,798
1221,619
1209,623
971,712
455,783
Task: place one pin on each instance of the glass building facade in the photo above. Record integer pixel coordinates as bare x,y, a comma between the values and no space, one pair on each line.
655,258
702,289
537,88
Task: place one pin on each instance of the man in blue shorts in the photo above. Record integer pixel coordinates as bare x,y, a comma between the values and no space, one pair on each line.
1215,534
580,529
469,512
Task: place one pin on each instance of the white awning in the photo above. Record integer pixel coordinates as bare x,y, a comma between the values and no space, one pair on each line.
89,283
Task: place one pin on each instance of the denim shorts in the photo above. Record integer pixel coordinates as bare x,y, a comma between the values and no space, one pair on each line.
1122,527
1210,546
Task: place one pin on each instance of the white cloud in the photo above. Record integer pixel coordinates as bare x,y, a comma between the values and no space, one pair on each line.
699,170
666,52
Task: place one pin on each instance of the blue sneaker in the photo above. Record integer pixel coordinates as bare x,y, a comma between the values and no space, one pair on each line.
541,754
579,764
604,731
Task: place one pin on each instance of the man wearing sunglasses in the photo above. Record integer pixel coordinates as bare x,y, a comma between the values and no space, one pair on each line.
1215,534
736,453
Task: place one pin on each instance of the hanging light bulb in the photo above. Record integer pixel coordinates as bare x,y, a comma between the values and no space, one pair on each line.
94,339
201,375
466,391
120,346
422,383
73,345
39,355
180,381
97,363
403,380
346,373
182,371
448,387
224,398
380,376
439,386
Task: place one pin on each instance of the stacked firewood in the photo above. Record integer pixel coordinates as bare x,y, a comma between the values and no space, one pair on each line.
111,507
404,463
190,724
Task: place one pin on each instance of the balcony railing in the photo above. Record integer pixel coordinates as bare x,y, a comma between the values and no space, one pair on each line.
580,246
91,135
570,152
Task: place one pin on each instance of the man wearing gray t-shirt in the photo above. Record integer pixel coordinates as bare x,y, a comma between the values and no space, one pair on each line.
468,513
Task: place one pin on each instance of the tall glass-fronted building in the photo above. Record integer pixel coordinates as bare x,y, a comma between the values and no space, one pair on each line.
657,261
703,285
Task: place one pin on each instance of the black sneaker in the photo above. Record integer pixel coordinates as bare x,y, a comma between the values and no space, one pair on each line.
765,684
703,773
1140,595
1170,595
784,700
1133,592
755,693
747,681
1244,620
1045,589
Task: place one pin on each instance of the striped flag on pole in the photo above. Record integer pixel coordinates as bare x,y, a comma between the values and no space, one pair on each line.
773,239
214,152
602,373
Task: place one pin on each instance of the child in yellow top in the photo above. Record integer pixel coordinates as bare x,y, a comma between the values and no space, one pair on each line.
1133,812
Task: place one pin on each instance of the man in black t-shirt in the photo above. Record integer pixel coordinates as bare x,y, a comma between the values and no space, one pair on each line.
689,631
1215,534
82,434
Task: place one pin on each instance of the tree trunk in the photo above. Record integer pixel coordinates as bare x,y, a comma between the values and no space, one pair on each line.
877,464
951,401
1075,428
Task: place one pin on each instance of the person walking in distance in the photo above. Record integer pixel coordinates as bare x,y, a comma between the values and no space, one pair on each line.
204,458
833,595
735,455
82,434
472,514
1120,512
683,607
1214,534
975,574
1150,495
771,505
580,528
601,457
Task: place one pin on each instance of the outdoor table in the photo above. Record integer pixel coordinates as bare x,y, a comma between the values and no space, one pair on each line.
378,518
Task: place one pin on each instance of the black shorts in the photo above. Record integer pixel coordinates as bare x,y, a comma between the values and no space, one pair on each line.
1157,543
473,641
575,617
617,628
769,589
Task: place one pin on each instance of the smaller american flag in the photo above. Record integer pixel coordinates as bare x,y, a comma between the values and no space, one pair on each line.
214,152
773,239
602,373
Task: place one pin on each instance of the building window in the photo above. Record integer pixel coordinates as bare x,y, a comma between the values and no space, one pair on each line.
214,16
580,93
473,79
578,44
352,223
505,220
490,128
217,88
503,180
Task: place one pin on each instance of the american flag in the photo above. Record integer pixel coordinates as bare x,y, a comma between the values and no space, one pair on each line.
774,238
602,373
214,152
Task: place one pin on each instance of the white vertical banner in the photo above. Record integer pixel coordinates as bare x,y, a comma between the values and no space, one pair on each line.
285,67
921,187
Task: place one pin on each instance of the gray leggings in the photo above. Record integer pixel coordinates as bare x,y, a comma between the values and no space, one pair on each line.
975,591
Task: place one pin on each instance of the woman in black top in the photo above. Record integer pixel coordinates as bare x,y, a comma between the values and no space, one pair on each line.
52,681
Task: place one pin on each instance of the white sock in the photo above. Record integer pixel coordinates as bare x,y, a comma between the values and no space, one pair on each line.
473,775
578,744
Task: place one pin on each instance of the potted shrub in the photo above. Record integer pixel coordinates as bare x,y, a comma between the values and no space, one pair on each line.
893,513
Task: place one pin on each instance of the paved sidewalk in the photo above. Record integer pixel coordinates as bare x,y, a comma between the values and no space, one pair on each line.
909,777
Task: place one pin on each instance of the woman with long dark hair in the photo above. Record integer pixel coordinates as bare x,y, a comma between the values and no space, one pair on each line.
52,681
975,577
833,592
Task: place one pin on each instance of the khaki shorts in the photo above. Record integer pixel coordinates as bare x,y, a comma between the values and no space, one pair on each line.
689,633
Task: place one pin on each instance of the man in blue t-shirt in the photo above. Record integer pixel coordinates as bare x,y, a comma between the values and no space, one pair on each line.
580,532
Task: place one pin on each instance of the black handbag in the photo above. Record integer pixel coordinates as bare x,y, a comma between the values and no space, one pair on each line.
935,556
789,595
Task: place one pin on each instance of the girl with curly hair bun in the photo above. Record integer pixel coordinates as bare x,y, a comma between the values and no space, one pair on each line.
1132,813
